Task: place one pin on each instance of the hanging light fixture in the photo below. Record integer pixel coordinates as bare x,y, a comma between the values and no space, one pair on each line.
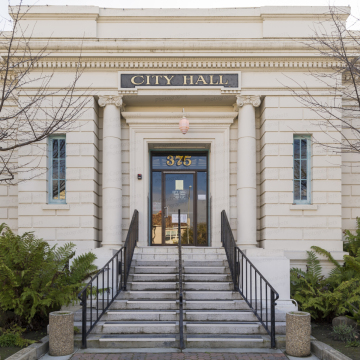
184,124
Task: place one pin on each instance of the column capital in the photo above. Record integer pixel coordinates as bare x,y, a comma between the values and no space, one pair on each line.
116,100
242,100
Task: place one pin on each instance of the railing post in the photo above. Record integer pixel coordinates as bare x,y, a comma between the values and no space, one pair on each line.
125,270
83,328
272,306
235,271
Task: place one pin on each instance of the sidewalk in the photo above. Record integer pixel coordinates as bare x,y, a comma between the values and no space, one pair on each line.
179,356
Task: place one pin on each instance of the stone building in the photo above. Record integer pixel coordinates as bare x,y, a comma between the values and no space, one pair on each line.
248,149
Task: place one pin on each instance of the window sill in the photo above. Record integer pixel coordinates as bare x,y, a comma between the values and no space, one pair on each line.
303,207
56,207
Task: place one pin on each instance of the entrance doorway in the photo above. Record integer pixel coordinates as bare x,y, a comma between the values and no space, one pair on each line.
179,181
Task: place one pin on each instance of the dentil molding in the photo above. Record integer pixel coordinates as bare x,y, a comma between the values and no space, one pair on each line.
181,64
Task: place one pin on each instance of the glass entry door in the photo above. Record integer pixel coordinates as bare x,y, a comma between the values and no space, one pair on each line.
179,194
179,182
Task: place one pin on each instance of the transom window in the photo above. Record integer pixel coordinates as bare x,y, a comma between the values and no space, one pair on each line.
302,166
57,166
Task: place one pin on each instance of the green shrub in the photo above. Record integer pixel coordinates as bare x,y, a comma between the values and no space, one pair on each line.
325,298
352,241
13,337
344,333
36,278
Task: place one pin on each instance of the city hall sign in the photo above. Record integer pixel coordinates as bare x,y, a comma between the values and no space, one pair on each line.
128,80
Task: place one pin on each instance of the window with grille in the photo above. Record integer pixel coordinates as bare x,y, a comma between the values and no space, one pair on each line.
57,167
302,169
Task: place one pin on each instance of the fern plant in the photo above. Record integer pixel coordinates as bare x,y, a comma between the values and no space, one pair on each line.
306,286
13,337
37,278
352,241
324,298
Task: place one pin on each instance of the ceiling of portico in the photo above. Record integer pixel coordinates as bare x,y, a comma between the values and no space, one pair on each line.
170,100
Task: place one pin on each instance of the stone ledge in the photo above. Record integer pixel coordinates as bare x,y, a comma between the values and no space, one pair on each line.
326,352
303,207
56,207
33,351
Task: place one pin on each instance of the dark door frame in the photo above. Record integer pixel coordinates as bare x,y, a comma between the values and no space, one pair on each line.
195,195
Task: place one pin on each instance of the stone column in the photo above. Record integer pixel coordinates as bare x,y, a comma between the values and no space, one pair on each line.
246,171
111,172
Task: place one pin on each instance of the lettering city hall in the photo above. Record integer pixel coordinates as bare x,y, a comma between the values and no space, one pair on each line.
226,75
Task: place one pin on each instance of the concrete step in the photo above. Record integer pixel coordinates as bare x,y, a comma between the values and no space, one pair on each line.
174,270
173,257
144,305
162,263
192,341
212,295
173,315
152,286
148,295
174,250
154,270
215,305
140,327
191,286
119,341
215,315
206,270
141,315
226,341
206,277
160,304
215,327
151,277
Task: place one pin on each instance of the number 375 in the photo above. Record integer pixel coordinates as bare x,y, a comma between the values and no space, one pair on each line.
179,160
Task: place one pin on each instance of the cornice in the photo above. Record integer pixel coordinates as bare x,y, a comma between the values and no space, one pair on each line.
179,19
215,64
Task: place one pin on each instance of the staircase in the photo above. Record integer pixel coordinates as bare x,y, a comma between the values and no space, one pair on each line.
147,314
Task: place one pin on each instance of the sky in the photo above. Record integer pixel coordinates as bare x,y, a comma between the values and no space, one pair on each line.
355,4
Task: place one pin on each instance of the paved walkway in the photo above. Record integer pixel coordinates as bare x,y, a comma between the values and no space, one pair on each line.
179,356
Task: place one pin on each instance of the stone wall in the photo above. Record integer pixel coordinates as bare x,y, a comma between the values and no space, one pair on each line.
78,219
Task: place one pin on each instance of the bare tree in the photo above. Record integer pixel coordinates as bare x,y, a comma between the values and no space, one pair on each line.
339,109
30,108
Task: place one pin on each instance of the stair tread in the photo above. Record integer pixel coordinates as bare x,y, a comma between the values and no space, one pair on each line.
139,336
221,323
141,322
222,336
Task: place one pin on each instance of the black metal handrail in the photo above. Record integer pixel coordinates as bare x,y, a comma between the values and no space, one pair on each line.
181,310
111,279
249,282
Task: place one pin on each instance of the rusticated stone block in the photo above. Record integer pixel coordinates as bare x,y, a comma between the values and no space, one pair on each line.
61,333
343,320
298,332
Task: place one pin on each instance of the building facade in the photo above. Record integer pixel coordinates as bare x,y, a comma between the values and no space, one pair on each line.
249,148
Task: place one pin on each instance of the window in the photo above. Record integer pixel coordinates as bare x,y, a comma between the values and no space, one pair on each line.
302,166
57,167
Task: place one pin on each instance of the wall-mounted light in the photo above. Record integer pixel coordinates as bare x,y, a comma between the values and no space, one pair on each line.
184,124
